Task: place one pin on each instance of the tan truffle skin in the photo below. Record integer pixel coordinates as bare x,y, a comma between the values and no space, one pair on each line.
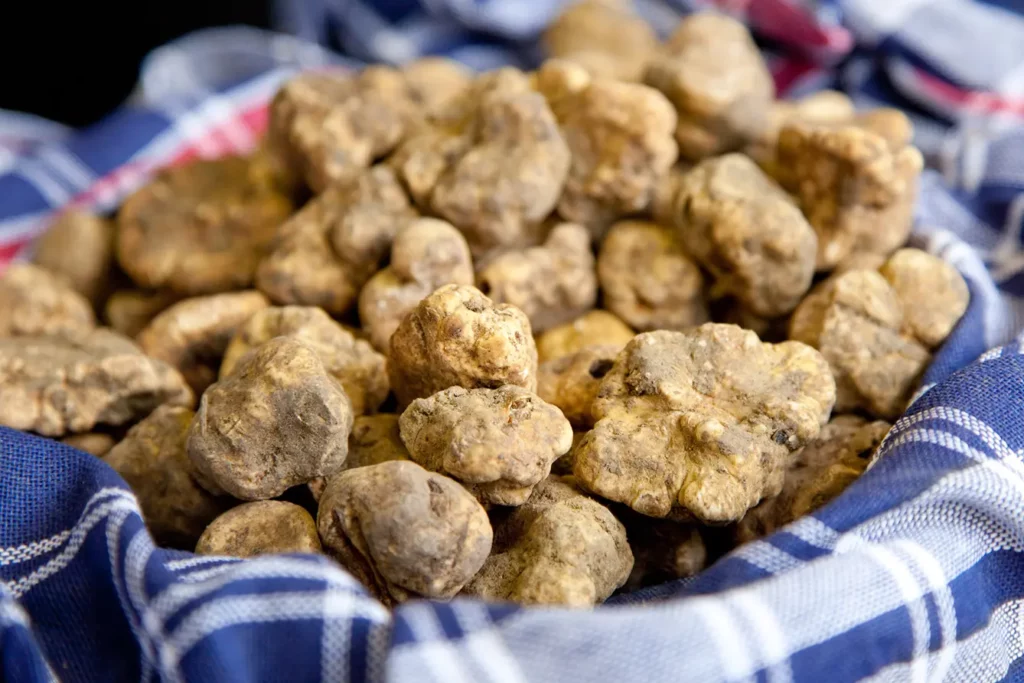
80,247
934,295
560,548
702,422
493,164
620,136
266,527
128,311
856,191
854,319
56,386
498,442
324,253
459,337
93,443
824,106
332,125
571,382
648,280
594,328
553,283
606,38
34,301
200,228
404,531
818,473
152,459
713,73
192,335
432,81
425,255
351,361
374,439
745,230
279,420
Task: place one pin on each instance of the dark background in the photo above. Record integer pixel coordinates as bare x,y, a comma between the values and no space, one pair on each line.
74,61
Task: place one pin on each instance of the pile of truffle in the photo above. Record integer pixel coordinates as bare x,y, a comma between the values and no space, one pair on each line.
519,336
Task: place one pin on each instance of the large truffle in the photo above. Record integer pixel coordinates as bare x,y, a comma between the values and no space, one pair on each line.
493,164
277,421
459,337
200,228
560,548
855,319
34,301
702,422
55,386
425,255
606,38
552,283
620,136
498,442
855,184
404,531
746,231
351,361
648,280
193,334
713,73
324,254
153,460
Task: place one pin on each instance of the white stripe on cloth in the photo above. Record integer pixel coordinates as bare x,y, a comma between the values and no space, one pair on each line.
122,584
62,162
177,565
431,649
228,611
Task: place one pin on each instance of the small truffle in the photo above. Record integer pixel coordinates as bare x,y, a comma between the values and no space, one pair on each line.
192,335
459,337
498,442
606,38
713,73
552,284
648,280
934,295
596,327
153,460
818,473
351,361
570,383
277,421
432,81
620,136
746,231
854,319
34,301
856,189
560,548
702,422
56,386
404,531
493,164
128,311
334,124
425,255
266,527
200,228
80,247
824,106
324,254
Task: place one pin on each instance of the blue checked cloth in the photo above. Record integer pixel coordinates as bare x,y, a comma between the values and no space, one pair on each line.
915,574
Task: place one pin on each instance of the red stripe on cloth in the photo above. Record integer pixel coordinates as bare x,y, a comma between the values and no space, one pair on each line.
11,250
976,100
788,71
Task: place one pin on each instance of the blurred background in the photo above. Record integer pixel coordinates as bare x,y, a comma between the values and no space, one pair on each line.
78,66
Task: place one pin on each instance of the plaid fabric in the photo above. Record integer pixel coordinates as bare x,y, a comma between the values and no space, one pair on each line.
915,573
